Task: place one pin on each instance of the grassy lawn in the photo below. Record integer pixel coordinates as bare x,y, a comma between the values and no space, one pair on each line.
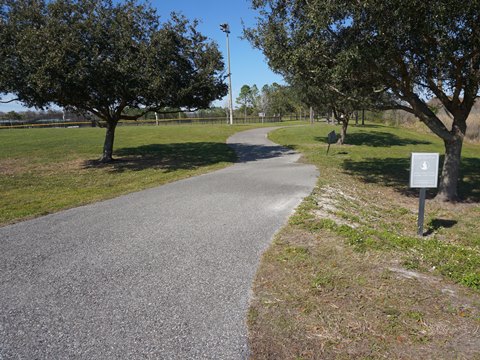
46,170
349,278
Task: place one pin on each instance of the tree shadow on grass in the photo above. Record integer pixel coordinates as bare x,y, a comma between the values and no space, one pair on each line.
360,126
470,181
366,126
186,156
390,172
436,224
377,139
395,173
167,157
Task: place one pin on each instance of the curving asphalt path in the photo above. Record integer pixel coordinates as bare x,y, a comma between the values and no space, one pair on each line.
163,273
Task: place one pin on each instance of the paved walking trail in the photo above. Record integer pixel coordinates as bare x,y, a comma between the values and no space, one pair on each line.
163,273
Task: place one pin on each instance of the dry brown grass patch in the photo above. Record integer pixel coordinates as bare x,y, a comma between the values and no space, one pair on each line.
12,167
326,301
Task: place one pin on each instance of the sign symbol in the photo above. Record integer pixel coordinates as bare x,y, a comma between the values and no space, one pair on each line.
424,166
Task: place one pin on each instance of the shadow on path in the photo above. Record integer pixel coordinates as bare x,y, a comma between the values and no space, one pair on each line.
171,157
248,152
168,157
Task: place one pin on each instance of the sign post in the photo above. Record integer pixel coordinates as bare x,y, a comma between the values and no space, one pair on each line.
423,175
262,115
331,138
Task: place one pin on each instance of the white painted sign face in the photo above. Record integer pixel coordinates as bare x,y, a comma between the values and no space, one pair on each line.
424,170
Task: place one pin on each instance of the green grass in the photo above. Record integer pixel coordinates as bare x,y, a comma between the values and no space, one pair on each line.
374,168
46,170
348,277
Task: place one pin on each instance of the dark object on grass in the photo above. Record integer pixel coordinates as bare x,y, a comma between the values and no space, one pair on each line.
331,139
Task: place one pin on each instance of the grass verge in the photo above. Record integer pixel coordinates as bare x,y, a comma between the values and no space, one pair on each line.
46,170
348,277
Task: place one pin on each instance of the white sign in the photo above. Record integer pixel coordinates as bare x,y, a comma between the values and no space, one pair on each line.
424,170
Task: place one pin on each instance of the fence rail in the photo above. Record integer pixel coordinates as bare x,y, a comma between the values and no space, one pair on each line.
177,121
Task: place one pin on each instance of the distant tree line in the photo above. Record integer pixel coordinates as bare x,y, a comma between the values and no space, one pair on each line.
30,116
273,100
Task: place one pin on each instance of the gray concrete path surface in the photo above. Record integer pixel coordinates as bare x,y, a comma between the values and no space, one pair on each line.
163,273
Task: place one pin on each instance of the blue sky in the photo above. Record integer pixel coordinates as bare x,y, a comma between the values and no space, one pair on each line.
248,65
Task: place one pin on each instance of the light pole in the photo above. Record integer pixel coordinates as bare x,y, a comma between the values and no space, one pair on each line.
226,29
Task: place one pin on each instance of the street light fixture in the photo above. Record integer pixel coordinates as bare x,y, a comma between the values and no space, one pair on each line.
226,29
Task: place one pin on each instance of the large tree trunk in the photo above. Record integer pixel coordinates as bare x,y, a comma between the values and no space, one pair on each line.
448,189
453,139
451,170
108,144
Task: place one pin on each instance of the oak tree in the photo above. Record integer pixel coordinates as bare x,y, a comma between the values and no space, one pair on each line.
105,57
410,51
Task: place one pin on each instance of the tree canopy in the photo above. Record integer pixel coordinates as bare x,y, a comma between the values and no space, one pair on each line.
103,57
271,100
279,99
247,98
408,51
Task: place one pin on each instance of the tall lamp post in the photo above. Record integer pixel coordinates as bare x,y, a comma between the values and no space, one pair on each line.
226,29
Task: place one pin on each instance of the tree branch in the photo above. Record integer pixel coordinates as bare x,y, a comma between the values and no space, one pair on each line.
120,108
137,116
91,110
396,107
350,98
404,72
440,94
427,116
458,83
8,101
471,84
174,111
133,117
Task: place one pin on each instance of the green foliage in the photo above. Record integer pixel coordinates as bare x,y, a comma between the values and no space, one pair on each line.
103,57
12,115
272,100
317,67
247,98
92,55
391,53
279,99
471,280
